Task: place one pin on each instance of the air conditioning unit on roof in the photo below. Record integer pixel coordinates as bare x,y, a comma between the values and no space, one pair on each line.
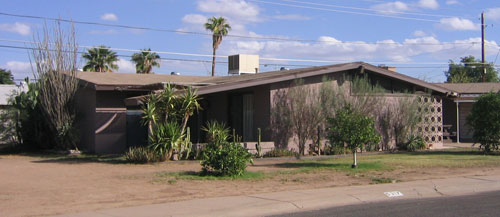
243,64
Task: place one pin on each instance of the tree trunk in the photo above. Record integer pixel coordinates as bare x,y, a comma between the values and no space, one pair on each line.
355,163
213,62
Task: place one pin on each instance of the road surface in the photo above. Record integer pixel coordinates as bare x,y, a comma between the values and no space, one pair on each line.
483,204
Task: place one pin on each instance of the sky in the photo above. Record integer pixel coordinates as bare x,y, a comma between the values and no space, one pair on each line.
418,37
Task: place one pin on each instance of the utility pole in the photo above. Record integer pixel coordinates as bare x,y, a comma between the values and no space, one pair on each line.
482,47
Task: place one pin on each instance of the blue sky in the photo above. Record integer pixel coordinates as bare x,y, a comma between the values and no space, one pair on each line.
419,37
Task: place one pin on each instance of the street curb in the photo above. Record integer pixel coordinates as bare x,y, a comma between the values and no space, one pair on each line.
306,200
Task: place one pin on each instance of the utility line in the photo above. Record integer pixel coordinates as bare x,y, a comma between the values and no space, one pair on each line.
343,11
366,9
263,58
200,55
208,34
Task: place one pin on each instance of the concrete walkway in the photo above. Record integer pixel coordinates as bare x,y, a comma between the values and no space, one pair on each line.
303,200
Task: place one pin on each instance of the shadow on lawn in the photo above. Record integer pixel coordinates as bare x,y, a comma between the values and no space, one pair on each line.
79,159
57,157
451,152
309,165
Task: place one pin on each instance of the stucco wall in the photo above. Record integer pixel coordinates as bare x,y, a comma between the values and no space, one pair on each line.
85,106
102,119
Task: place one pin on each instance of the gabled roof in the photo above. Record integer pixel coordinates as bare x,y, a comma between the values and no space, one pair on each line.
124,79
471,88
226,83
236,82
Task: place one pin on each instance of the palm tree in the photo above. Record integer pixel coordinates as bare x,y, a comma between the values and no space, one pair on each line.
100,59
219,27
145,60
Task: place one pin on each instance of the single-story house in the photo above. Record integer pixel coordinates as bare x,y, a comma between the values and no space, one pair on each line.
109,103
459,107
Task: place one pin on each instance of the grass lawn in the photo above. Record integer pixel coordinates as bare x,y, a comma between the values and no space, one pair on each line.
368,165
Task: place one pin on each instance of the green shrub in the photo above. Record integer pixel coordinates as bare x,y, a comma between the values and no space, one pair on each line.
280,152
222,157
335,150
485,120
142,155
415,143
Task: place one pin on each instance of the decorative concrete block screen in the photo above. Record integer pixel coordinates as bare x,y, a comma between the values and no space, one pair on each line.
432,125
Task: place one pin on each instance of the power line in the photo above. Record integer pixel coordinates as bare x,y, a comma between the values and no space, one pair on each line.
495,62
262,58
229,35
343,11
194,55
367,9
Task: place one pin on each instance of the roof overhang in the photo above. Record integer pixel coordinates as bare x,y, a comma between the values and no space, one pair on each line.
304,73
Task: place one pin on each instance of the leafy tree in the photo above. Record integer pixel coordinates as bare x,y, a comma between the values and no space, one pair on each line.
100,59
352,128
485,120
145,61
470,70
219,27
6,77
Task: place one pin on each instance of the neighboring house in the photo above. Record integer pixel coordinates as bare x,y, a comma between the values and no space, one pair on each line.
6,92
466,95
110,102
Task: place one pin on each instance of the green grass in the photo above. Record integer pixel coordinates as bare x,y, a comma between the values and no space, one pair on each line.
191,175
382,180
368,165
455,158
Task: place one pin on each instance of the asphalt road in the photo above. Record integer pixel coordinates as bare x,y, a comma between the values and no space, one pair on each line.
484,204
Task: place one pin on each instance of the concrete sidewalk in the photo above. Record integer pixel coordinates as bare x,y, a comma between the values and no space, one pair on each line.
303,200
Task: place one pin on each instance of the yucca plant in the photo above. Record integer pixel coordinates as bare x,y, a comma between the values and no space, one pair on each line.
165,138
216,132
189,104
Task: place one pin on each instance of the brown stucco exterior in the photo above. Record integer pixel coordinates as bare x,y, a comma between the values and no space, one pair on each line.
102,118
107,101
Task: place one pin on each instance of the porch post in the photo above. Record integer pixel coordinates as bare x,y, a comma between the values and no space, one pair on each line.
458,123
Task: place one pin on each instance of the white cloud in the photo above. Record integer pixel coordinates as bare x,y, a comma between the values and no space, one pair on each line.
492,14
391,7
20,70
455,23
233,9
125,66
428,4
19,28
335,50
291,17
452,2
18,66
238,13
194,19
109,17
419,33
